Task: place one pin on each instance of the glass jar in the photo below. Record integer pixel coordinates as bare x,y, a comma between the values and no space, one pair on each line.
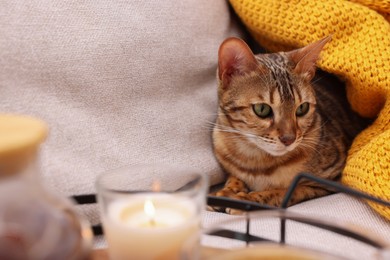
34,223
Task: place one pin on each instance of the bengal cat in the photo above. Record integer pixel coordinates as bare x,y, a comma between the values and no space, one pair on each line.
274,122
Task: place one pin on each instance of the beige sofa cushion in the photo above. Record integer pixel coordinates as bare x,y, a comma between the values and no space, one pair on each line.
119,83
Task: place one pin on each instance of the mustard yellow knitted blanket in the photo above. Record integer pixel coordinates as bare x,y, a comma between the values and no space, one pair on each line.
359,53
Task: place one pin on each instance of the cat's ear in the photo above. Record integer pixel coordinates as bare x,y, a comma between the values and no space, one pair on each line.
234,58
305,59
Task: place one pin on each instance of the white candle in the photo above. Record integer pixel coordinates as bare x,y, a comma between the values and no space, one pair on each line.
150,226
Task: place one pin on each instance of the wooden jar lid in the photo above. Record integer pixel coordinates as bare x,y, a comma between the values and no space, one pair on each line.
20,137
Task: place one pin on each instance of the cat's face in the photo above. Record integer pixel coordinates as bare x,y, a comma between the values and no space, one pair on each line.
268,100
272,118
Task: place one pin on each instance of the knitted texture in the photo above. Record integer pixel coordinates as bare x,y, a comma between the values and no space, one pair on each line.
381,6
359,53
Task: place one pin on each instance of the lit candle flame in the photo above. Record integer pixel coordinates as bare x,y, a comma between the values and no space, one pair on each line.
156,186
150,211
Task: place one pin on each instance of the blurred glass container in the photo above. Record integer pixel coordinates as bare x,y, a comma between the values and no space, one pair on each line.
34,223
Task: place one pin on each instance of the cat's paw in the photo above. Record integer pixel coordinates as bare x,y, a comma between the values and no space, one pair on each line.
213,208
231,211
270,198
228,193
224,210
221,193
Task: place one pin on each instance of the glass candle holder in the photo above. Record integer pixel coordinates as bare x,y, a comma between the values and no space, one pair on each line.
152,211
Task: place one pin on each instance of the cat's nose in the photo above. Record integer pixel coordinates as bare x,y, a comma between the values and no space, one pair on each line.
287,139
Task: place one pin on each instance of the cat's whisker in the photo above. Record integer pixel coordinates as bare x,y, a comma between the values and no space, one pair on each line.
313,143
207,126
224,128
316,140
313,150
312,147
307,141
319,127
216,114
213,125
267,140
228,130
316,80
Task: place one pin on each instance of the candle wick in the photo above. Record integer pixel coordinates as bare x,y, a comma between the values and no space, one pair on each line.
152,222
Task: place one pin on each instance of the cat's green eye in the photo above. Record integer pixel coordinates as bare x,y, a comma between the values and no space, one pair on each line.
302,109
262,110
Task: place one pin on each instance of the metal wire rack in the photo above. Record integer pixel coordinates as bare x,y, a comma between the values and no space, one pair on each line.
252,206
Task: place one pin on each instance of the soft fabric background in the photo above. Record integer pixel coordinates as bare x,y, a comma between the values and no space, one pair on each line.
127,82
119,83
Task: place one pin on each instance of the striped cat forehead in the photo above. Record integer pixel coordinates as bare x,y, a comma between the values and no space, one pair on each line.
282,78
279,59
